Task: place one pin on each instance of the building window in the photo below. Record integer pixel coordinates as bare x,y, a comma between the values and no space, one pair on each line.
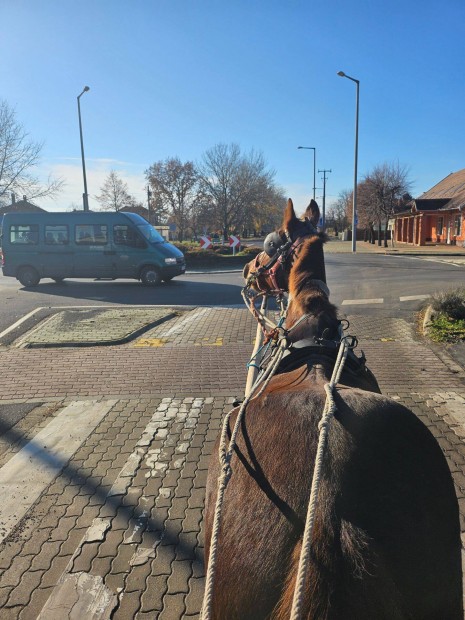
56,235
458,225
91,234
440,229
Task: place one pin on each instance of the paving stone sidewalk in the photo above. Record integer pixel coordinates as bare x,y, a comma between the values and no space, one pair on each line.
120,528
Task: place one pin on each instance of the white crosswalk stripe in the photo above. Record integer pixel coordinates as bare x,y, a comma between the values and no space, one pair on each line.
27,473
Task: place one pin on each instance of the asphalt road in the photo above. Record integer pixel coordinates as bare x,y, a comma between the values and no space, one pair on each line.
362,284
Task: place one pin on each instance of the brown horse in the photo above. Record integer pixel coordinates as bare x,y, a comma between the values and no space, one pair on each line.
288,238
386,541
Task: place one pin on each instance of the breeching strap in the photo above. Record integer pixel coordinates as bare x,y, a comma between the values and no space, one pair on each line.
328,412
225,454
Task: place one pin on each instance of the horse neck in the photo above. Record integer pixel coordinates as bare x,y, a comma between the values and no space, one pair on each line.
309,264
319,313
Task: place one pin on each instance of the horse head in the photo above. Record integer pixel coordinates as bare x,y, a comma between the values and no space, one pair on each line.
309,295
269,271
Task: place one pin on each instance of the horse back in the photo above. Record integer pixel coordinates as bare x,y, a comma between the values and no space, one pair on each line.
386,541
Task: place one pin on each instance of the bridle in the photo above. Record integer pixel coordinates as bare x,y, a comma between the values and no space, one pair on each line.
284,253
276,264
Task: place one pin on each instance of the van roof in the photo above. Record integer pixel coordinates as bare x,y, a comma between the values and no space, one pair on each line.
74,215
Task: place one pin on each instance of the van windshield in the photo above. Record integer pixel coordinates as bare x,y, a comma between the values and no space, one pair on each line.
149,233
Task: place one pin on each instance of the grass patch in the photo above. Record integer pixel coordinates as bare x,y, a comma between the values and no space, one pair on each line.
449,323
445,329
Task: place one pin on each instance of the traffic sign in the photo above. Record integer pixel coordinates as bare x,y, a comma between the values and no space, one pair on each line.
205,242
234,241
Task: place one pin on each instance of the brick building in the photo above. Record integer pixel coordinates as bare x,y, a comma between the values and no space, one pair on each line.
437,216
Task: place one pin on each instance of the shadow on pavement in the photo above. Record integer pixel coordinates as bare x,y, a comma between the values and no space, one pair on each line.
178,292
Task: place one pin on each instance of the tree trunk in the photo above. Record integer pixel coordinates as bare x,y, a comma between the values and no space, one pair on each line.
379,233
386,235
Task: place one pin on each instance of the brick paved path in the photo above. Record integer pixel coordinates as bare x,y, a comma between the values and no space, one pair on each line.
119,528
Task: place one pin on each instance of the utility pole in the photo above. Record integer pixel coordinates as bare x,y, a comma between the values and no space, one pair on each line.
324,197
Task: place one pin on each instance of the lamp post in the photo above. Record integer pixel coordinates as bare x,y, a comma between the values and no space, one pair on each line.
354,207
85,198
311,148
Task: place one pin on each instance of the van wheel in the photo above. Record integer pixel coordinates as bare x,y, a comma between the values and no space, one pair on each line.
58,280
150,276
28,276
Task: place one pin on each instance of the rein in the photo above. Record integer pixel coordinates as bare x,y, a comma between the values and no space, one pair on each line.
225,455
323,426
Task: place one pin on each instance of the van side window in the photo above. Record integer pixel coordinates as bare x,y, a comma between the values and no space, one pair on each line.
27,234
91,234
126,235
56,235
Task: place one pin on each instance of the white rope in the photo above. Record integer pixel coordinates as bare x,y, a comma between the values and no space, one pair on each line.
225,454
328,412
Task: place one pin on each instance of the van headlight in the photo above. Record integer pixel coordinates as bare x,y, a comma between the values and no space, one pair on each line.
170,261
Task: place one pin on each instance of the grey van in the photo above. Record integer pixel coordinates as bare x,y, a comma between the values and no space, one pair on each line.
86,244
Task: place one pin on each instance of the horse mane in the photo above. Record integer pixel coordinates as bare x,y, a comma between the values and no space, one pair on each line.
310,263
310,266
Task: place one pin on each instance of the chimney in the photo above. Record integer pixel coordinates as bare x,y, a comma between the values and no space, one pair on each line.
13,198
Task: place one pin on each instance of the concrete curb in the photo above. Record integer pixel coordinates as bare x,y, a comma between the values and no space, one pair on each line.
23,344
427,320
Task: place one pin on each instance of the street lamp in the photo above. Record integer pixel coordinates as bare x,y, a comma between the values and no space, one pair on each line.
85,198
311,148
354,207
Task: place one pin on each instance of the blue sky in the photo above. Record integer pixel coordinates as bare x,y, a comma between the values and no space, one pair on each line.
174,78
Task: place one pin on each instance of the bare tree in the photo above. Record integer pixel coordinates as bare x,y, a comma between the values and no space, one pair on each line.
340,211
174,188
383,193
235,184
18,155
114,193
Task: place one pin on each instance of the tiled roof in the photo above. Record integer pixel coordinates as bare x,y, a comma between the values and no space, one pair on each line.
20,206
452,189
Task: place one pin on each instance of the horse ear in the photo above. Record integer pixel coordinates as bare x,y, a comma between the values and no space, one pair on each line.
289,216
312,212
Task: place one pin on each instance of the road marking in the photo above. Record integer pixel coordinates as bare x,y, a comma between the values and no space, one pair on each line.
18,323
27,473
414,297
442,261
359,302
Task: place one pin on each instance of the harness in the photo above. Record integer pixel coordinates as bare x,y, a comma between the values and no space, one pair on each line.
280,355
306,351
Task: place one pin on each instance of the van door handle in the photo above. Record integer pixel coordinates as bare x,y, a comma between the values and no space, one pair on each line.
109,252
